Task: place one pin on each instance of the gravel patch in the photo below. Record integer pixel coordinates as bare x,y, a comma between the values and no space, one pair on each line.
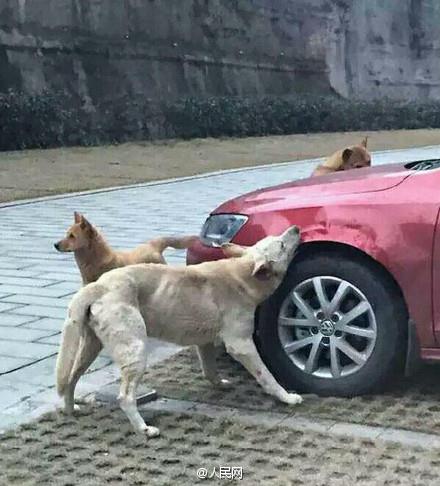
98,448
410,404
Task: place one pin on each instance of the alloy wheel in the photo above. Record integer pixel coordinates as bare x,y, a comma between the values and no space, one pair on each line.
327,327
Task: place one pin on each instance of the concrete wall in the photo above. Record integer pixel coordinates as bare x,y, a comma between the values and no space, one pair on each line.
385,48
104,51
100,49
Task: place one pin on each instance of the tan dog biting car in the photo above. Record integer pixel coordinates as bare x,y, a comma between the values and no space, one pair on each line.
353,157
201,305
94,256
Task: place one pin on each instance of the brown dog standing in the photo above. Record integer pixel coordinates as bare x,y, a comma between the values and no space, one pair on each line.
94,256
353,157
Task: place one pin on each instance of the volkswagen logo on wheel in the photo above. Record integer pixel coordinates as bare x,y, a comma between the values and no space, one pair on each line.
327,328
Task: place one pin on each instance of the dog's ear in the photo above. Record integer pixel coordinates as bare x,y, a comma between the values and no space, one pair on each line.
346,154
364,142
231,250
85,225
263,269
77,217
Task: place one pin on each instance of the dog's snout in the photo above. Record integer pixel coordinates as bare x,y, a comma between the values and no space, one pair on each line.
57,246
293,231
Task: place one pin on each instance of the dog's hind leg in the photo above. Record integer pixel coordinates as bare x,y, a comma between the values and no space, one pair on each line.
127,400
132,370
208,364
121,329
89,348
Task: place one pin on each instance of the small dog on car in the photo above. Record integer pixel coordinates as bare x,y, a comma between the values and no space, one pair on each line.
94,256
354,157
203,305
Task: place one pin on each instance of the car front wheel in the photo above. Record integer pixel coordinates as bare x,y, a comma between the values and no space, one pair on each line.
336,326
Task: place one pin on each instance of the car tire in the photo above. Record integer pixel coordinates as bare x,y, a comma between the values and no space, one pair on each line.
387,315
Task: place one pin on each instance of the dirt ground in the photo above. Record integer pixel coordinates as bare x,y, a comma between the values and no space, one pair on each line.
33,173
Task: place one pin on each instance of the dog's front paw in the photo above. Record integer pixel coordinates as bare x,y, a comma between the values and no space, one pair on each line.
73,411
151,431
292,399
70,411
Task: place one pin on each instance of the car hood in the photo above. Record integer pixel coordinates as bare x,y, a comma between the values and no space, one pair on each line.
316,189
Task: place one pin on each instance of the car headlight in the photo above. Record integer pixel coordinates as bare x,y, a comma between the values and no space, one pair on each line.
221,228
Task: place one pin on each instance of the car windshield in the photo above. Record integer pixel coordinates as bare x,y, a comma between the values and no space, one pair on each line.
424,165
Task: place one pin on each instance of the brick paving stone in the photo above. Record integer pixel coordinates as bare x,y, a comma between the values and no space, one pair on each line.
9,397
24,335
23,273
64,287
66,277
13,264
45,323
51,291
29,351
41,311
11,394
5,306
9,363
53,340
41,373
37,282
67,267
35,255
8,320
36,300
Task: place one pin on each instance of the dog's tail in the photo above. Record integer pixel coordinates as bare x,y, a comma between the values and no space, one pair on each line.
77,318
176,242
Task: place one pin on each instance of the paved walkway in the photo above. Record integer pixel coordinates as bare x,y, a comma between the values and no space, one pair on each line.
36,282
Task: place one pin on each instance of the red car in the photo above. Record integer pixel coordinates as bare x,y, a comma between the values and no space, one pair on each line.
360,300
